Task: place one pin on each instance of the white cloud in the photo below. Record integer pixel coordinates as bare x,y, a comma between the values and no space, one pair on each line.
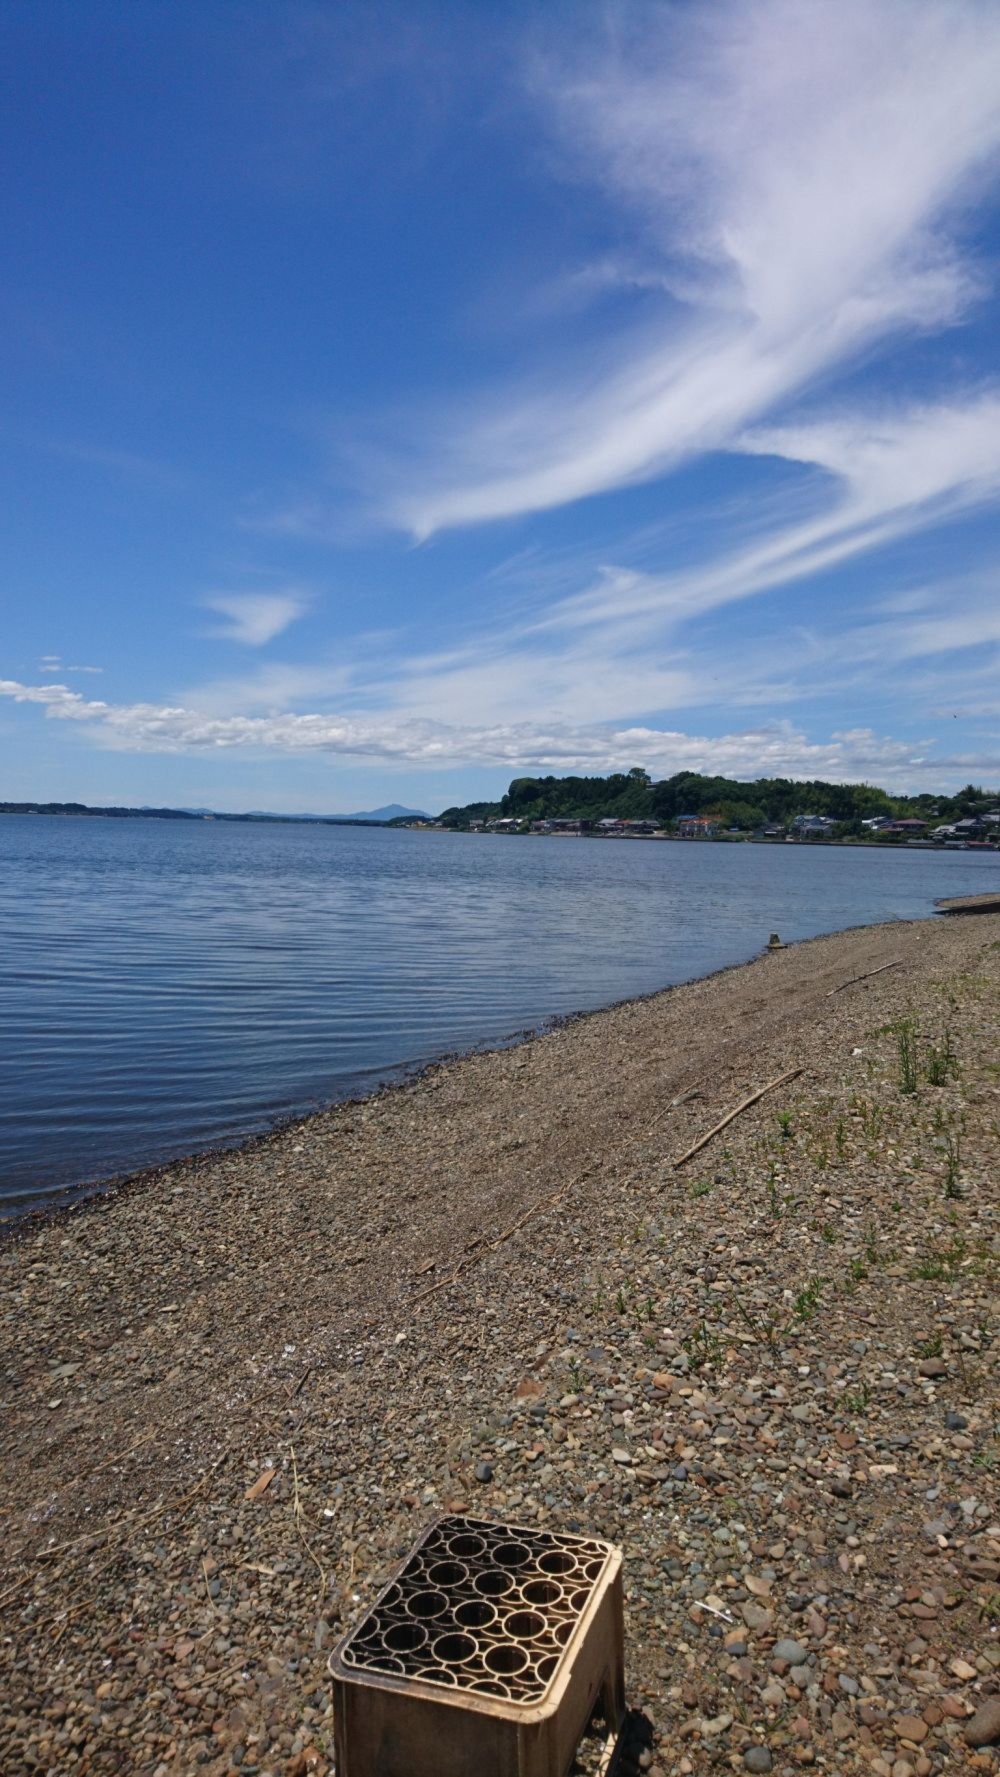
797,172
51,663
893,473
255,617
772,748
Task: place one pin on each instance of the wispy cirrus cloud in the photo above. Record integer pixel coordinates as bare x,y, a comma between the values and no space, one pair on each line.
889,473
254,618
798,177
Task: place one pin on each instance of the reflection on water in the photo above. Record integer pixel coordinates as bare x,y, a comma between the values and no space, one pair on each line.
165,986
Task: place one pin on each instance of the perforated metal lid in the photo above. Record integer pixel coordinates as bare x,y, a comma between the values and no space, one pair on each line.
480,1607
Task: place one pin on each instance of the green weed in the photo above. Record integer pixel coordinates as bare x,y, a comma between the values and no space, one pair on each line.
703,1347
941,1062
857,1271
952,1163
906,1045
807,1301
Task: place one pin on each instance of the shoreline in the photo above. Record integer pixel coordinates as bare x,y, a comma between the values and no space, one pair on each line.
493,1287
69,1200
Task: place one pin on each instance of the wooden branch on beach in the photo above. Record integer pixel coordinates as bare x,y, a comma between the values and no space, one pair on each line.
792,1074
865,977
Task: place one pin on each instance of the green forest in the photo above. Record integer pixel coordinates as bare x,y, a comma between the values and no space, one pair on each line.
632,795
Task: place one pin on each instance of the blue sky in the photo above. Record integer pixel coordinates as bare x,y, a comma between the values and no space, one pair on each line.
396,399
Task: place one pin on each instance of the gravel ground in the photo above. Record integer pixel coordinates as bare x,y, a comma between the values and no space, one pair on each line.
236,1389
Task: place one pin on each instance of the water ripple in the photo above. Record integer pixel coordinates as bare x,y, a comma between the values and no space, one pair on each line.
168,986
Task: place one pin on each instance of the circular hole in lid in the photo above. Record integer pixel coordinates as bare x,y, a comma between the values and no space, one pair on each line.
557,1561
541,1592
492,1583
511,1554
506,1662
404,1638
546,1667
427,1605
437,1674
448,1573
475,1613
453,1649
466,1546
524,1624
562,1632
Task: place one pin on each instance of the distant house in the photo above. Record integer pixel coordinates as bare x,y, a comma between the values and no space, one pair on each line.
909,829
696,826
812,826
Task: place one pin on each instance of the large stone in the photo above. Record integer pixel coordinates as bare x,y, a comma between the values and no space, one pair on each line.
911,1727
792,1652
757,1758
984,1728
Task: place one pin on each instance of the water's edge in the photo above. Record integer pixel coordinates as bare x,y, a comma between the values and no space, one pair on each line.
69,1200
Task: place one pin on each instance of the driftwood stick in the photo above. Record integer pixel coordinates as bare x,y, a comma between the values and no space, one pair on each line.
865,977
792,1074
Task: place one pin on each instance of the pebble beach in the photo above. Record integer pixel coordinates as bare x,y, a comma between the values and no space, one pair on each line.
236,1389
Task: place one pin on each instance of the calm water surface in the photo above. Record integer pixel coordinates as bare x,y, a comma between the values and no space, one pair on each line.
169,986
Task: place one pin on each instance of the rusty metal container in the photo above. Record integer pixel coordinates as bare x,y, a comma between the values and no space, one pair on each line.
486,1655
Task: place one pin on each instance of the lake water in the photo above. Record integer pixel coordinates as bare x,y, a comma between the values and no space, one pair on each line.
167,986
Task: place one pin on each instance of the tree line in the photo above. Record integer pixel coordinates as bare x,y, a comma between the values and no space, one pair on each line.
767,801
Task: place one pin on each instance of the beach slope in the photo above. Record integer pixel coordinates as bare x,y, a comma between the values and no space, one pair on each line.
235,1389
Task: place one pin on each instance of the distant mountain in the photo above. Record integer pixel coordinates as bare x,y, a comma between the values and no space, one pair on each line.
393,811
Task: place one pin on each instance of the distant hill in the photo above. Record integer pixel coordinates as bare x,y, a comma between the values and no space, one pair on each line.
393,811
734,804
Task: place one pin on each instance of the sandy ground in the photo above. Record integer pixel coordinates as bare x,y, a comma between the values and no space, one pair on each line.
769,1375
